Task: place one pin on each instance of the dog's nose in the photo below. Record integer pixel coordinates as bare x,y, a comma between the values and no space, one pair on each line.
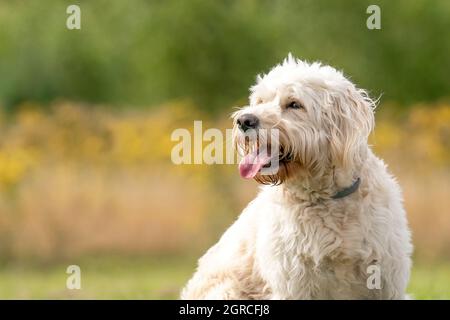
247,121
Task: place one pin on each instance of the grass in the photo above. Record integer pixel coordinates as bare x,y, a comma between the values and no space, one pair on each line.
430,282
132,278
100,279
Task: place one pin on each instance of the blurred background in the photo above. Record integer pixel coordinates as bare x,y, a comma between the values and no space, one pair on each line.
86,117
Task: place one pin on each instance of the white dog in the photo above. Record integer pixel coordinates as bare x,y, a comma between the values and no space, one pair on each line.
329,224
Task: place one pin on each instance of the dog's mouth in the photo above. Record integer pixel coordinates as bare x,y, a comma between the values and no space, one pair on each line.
258,160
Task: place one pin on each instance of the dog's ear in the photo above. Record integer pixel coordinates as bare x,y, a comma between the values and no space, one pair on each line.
350,121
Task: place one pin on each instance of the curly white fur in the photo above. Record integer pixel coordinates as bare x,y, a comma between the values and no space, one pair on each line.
294,241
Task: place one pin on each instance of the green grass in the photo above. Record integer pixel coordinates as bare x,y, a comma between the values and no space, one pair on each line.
162,278
100,279
430,282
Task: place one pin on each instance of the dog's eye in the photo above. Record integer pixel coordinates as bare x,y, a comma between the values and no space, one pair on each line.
294,105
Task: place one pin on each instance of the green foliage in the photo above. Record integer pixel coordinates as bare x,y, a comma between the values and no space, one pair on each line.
147,52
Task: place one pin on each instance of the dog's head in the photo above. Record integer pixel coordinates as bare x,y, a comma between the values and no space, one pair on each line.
304,118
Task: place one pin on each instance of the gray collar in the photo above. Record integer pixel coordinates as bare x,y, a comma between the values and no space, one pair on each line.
347,191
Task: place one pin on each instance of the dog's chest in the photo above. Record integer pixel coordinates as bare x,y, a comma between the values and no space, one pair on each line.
301,251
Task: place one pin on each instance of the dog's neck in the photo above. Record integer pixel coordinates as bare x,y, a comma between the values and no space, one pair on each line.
332,181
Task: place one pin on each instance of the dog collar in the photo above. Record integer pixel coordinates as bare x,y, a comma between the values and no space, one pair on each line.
347,191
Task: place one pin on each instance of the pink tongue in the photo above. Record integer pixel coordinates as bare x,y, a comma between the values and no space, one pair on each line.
251,164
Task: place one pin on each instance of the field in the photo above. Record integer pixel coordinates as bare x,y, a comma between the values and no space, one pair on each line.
162,278
79,182
110,278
